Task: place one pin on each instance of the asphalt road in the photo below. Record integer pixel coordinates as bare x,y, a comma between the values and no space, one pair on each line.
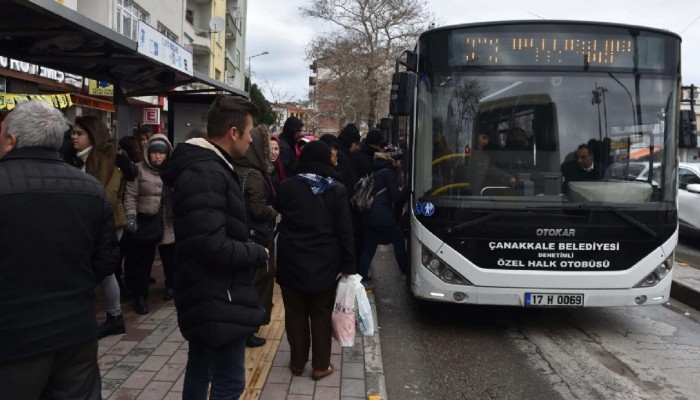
440,351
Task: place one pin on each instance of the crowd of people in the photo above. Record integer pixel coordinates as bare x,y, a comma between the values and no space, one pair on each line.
230,211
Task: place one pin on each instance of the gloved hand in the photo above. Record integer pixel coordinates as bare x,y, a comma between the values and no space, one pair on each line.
131,223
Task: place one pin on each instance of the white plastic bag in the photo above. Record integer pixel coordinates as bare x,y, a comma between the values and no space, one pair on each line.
363,310
343,317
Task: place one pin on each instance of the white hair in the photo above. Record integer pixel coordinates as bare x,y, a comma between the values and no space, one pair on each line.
37,124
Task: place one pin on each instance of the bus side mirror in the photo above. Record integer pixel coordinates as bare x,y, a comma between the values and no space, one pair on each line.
688,130
403,85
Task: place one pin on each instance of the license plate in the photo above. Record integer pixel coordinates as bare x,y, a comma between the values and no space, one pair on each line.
553,299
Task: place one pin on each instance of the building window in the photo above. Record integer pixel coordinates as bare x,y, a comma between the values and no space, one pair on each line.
187,42
167,33
189,16
237,59
217,74
128,16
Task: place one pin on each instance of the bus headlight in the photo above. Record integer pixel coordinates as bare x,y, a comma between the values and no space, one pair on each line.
658,274
438,268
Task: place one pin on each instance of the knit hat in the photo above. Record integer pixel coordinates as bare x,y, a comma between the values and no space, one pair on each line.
158,145
315,152
374,137
350,134
330,140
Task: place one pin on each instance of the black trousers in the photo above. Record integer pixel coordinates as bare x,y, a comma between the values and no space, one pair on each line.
307,318
168,257
68,374
138,260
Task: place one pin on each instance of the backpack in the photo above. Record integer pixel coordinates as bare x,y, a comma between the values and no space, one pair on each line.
364,197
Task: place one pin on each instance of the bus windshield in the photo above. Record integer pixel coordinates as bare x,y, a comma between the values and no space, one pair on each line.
529,138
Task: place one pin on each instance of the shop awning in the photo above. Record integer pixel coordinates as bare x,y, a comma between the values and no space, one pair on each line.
46,33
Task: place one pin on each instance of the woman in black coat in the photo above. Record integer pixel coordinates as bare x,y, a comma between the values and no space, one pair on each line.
380,220
315,244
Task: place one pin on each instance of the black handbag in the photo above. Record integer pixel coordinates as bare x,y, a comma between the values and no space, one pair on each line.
149,227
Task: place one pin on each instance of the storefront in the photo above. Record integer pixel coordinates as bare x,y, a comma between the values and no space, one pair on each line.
47,34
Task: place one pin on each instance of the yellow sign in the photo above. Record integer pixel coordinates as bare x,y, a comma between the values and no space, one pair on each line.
9,101
99,88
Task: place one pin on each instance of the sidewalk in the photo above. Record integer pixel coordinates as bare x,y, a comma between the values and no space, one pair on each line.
148,362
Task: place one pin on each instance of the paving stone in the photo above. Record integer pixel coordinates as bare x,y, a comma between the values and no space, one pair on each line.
151,342
109,386
155,391
147,326
173,395
331,380
299,397
166,349
327,393
177,387
275,391
180,357
282,358
153,363
121,371
353,387
353,370
279,375
122,347
169,372
175,336
137,355
136,334
351,354
138,379
124,394
302,385
108,361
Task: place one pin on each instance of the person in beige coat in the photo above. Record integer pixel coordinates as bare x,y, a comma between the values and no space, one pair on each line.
146,195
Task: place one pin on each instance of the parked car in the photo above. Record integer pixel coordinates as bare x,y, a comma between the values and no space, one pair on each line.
688,189
689,199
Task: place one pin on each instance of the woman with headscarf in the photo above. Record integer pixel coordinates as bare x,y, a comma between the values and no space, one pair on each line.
277,175
146,195
96,154
253,171
314,245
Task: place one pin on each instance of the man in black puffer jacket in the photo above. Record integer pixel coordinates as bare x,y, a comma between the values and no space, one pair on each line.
216,302
58,242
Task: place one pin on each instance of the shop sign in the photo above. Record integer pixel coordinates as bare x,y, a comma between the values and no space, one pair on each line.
157,46
100,88
151,116
43,72
90,102
10,100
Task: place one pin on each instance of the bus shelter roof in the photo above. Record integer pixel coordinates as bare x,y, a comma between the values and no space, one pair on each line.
48,34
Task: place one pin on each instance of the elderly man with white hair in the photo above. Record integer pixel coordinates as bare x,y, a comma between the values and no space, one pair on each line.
58,241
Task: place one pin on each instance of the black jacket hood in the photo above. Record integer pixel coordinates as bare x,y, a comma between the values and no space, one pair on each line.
291,126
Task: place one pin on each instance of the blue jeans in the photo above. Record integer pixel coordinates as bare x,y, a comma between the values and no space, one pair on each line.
395,235
223,366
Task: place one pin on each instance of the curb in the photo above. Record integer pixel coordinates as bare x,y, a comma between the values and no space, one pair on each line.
685,294
375,386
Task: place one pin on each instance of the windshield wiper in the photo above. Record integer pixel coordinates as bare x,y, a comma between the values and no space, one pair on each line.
487,217
618,211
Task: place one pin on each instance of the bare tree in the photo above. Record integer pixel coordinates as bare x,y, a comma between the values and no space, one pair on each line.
378,30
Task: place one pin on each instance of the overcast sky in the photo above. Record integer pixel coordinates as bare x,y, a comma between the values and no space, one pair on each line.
276,26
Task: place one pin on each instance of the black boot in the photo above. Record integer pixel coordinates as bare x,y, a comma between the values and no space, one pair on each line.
140,306
254,341
114,325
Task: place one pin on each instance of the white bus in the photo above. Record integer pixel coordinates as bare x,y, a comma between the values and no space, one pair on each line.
499,119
